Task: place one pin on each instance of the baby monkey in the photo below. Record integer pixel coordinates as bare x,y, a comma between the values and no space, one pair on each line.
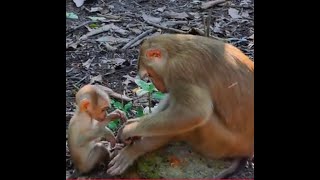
88,126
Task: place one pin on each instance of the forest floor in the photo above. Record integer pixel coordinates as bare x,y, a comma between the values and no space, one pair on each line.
100,58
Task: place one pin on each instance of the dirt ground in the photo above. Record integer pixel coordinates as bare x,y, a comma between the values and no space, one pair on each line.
99,58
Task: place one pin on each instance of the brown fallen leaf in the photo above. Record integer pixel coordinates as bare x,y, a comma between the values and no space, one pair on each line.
112,40
161,9
128,80
118,61
96,9
96,79
234,13
135,89
174,15
217,28
209,4
251,37
87,63
151,18
136,30
119,30
245,14
173,23
245,2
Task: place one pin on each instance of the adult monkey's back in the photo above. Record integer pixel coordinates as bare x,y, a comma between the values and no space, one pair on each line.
210,103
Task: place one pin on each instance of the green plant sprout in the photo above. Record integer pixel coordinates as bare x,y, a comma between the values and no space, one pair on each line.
150,89
145,88
118,105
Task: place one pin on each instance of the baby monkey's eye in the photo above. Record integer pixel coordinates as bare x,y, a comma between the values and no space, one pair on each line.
104,109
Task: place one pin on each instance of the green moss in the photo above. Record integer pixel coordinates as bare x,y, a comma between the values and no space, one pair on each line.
146,166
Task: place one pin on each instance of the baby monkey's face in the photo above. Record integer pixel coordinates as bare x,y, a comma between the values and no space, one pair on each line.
100,111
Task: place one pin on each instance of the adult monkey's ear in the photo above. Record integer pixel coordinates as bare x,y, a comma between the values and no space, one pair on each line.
154,53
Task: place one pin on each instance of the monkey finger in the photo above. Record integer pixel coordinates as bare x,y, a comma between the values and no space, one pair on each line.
116,171
113,161
118,146
113,154
117,167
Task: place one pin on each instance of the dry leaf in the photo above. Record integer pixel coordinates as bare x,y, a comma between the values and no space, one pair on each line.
217,28
135,90
196,15
97,18
245,2
78,2
161,9
251,37
175,15
96,79
112,40
119,30
96,9
151,18
250,45
87,63
128,80
136,30
118,61
173,23
185,28
245,14
234,13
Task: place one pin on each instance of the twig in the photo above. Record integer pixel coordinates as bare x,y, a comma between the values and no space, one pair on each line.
149,101
77,27
80,80
136,3
207,22
91,33
75,86
109,16
166,28
197,31
97,31
209,4
139,41
109,47
138,38
114,94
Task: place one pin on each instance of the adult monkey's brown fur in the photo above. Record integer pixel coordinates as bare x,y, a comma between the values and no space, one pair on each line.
211,103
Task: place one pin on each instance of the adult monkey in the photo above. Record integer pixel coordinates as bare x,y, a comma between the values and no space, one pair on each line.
210,104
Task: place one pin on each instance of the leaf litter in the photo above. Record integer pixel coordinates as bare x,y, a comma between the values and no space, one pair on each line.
103,41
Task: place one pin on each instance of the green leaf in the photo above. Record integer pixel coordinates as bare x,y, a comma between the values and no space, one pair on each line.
128,106
151,87
117,105
158,95
142,84
139,112
112,125
112,101
93,25
141,92
117,121
71,15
